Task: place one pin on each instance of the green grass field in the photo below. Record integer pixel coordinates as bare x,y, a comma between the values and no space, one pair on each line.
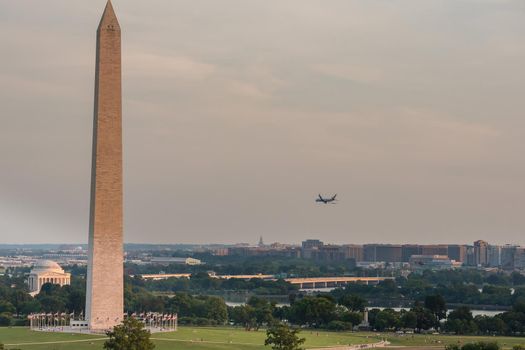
198,338
202,338
442,340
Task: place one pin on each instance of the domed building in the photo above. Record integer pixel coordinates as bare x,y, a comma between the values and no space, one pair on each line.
47,271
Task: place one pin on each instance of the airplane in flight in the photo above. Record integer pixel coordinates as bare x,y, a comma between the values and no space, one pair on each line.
330,200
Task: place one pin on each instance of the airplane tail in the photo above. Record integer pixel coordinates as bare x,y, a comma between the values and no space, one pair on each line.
335,195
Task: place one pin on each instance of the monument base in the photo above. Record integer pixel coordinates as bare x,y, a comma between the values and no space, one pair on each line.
64,323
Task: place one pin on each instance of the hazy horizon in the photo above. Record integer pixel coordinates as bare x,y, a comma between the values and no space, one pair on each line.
251,243
237,114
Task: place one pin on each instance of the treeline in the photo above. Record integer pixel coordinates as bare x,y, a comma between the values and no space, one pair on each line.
459,321
298,267
202,282
417,287
341,310
239,265
317,312
16,303
457,287
324,311
470,276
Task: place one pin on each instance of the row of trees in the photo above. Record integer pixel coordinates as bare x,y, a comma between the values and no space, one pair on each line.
398,291
339,311
416,288
480,346
201,281
456,286
461,321
323,311
249,265
243,265
15,300
472,276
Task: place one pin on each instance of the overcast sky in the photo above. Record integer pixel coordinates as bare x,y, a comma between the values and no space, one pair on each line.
238,113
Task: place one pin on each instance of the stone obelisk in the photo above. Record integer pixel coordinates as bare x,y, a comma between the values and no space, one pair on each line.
105,281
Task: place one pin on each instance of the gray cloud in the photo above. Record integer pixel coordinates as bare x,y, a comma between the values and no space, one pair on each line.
236,114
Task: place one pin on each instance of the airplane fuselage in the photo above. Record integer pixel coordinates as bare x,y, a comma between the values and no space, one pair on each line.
326,200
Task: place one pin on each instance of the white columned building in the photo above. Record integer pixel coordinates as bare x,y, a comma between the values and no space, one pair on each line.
47,271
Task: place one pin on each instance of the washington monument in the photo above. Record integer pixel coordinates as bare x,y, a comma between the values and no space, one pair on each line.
105,284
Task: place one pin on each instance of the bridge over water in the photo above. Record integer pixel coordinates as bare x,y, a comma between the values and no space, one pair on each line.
303,283
332,282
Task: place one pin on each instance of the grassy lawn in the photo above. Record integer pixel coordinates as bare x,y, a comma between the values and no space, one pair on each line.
204,338
234,338
20,336
198,338
442,340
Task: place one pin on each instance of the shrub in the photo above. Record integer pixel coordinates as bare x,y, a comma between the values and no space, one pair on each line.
5,319
474,346
480,346
339,326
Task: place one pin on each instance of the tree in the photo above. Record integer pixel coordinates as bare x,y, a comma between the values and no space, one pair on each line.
353,302
216,309
339,326
460,321
480,346
353,318
19,299
519,306
5,319
490,325
51,303
263,311
6,306
461,313
409,319
282,337
473,346
243,315
31,306
76,301
386,319
452,347
425,318
313,311
130,335
437,305
517,278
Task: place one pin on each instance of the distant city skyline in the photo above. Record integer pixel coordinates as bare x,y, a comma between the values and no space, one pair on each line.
479,254
237,115
255,243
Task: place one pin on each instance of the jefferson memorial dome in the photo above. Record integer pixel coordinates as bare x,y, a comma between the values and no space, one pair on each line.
47,271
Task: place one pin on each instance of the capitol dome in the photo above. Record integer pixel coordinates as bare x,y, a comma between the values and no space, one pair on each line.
48,266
